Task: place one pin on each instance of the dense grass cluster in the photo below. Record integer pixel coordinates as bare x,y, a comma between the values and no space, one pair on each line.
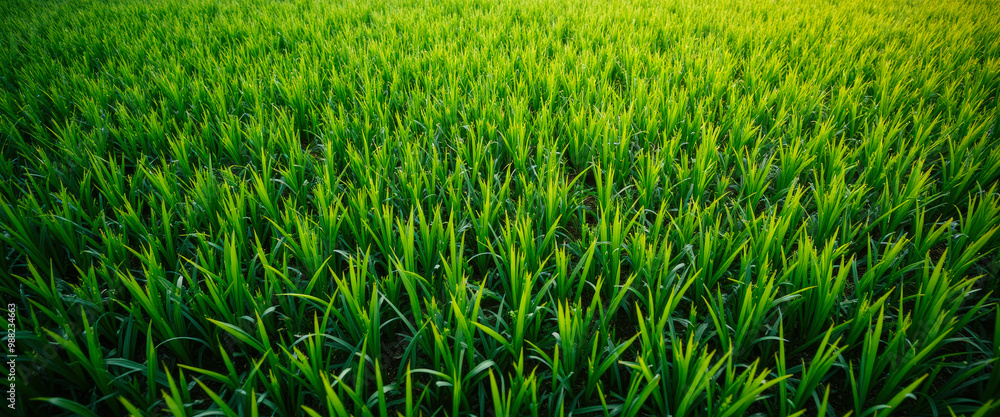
469,207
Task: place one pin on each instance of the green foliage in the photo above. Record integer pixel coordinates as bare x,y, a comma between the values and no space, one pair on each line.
363,208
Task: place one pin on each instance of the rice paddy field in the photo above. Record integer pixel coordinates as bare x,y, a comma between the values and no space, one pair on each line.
500,208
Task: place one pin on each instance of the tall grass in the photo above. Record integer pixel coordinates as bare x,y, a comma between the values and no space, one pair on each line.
309,207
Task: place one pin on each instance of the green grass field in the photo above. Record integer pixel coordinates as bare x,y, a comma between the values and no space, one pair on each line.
492,208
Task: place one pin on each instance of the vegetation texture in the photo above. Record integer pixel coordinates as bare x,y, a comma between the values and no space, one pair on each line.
493,208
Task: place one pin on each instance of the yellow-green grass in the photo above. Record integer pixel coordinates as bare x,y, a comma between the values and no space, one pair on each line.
465,207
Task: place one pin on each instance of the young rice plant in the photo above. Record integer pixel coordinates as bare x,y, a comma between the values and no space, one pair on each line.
500,208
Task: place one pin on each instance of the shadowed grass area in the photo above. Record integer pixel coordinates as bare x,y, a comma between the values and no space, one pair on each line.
465,207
